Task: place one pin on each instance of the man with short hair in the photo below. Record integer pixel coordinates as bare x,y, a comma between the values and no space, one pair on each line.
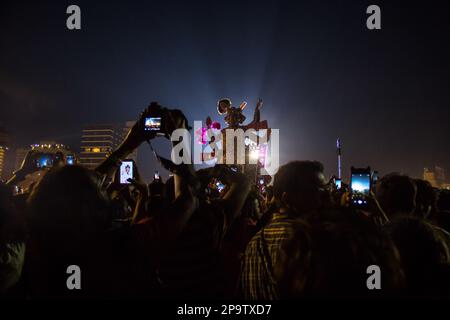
299,187
397,195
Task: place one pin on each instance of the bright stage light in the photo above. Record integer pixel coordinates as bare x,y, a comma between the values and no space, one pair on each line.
254,154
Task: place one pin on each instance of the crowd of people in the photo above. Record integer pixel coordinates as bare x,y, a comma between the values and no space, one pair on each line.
182,239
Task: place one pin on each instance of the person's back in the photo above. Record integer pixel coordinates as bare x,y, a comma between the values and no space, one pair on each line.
425,257
12,244
261,255
190,268
442,216
329,254
69,217
299,188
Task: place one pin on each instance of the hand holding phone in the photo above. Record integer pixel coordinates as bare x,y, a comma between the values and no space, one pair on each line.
219,186
152,124
153,121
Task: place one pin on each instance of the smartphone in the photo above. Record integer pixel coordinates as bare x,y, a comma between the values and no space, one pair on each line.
156,175
360,186
152,124
70,160
126,171
220,186
338,183
44,160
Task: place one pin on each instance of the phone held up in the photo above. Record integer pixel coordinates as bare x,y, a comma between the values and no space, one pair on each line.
360,186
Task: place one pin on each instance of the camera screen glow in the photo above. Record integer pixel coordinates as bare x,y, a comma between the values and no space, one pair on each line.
152,124
220,186
361,183
45,161
70,160
126,172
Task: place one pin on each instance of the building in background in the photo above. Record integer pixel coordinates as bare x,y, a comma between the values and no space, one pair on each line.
49,147
97,142
435,176
48,154
126,129
4,154
20,155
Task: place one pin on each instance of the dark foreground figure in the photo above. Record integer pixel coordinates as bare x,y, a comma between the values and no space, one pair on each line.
184,239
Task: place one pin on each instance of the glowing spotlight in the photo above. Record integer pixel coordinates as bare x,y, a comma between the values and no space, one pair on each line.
254,154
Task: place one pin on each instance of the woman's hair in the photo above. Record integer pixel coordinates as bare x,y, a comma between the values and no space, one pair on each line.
68,205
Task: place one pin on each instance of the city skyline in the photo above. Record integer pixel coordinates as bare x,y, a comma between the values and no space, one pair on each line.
434,174
321,74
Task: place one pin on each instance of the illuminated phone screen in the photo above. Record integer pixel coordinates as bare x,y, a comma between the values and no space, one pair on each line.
126,172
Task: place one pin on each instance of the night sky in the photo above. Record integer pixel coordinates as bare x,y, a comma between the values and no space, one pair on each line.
321,72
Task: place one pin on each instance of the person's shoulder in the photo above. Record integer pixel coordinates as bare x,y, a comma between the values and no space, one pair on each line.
279,220
216,213
441,231
444,234
254,241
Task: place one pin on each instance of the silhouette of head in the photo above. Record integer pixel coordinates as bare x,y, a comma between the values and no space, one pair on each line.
396,194
223,105
425,199
69,217
299,186
233,116
443,202
67,207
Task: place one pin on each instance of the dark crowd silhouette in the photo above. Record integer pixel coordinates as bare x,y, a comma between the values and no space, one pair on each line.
184,239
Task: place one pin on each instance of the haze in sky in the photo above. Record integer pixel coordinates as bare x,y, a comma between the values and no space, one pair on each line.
321,73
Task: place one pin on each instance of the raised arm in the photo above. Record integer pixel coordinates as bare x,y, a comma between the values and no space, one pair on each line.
133,139
239,188
257,114
28,166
